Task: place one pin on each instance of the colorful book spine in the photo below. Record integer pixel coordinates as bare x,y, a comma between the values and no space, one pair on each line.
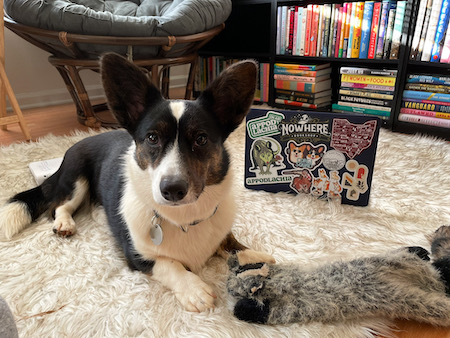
374,30
364,100
425,113
369,79
445,56
365,29
348,21
298,104
314,30
308,79
299,31
295,94
364,106
333,29
303,36
414,94
284,13
426,22
287,68
336,106
309,12
431,30
278,41
320,31
342,23
440,31
357,31
366,86
303,86
368,71
430,79
426,105
431,121
424,87
295,32
389,30
418,29
366,93
326,33
382,29
352,29
397,30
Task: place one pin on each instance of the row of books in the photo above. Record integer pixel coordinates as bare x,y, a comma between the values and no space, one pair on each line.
431,38
303,86
210,67
366,91
426,100
369,29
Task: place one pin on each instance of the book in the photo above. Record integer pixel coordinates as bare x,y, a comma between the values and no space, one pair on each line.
443,107
440,31
418,95
309,79
343,20
445,55
368,71
279,30
389,30
429,79
314,30
364,100
425,113
382,28
376,94
357,31
333,29
352,18
430,121
337,31
426,21
294,95
326,33
365,29
316,101
291,68
369,79
374,30
303,86
295,31
365,106
425,87
367,86
309,12
339,107
302,104
418,29
431,30
300,73
320,29
397,30
299,32
347,28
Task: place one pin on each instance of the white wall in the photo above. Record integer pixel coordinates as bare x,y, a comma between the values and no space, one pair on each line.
36,83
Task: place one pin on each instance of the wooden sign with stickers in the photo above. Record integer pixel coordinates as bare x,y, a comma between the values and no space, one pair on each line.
328,155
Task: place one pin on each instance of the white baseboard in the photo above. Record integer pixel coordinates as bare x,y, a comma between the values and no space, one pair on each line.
61,95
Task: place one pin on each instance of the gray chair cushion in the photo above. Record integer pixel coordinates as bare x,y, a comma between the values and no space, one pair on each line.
139,18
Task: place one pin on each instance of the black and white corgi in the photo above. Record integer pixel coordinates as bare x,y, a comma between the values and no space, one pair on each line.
164,182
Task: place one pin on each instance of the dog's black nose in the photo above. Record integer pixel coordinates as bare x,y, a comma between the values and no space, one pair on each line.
173,189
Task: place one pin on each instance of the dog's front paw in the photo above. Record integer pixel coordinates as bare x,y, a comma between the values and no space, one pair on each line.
195,295
64,226
249,256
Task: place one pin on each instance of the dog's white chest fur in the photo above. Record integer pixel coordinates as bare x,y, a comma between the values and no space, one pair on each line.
192,248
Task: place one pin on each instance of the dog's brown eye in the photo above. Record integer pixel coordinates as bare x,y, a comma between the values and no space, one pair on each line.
153,138
201,140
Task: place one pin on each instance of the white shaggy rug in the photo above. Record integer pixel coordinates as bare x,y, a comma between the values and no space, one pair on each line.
82,287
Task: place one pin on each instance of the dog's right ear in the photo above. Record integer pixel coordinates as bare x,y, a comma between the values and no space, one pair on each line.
128,90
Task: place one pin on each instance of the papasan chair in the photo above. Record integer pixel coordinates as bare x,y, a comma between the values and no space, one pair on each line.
154,34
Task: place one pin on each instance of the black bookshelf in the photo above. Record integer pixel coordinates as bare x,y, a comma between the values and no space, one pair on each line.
250,32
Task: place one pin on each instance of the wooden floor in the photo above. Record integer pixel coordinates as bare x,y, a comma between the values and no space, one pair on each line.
61,120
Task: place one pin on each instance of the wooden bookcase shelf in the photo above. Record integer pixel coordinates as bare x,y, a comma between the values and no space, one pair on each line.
251,33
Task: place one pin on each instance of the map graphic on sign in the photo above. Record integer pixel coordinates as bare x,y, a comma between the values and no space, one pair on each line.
351,138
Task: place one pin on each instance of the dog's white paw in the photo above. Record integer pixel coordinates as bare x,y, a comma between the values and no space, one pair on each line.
249,256
195,295
64,226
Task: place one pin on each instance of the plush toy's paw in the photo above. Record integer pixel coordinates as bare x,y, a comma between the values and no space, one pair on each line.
251,311
419,251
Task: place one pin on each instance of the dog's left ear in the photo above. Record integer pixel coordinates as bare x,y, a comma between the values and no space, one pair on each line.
230,95
128,90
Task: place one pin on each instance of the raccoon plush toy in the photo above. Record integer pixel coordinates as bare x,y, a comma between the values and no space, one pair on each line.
401,284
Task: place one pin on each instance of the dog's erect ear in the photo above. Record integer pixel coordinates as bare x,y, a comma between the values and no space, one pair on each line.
230,95
128,90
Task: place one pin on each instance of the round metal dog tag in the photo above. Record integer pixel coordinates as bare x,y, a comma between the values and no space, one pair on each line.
156,234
